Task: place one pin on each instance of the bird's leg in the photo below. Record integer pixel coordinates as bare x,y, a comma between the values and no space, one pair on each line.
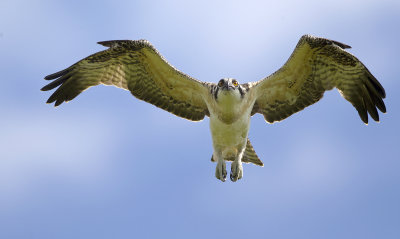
220,170
237,169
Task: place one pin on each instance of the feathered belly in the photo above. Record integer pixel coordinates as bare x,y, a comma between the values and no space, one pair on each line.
229,139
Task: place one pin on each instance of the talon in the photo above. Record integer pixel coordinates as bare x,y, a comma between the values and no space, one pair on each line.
220,171
233,178
236,171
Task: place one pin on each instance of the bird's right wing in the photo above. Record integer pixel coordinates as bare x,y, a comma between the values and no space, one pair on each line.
138,67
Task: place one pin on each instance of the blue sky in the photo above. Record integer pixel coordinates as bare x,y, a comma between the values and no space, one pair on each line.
107,165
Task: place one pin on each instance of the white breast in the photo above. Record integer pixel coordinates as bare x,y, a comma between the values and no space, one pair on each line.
229,139
229,125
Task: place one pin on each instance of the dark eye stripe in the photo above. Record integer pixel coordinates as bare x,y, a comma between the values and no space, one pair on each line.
216,92
242,92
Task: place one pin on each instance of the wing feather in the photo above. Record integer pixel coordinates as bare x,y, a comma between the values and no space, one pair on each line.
315,66
138,67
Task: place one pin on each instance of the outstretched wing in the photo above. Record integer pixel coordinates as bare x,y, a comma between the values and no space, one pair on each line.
138,67
317,65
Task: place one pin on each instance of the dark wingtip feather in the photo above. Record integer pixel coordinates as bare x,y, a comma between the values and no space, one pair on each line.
58,102
374,114
381,106
54,84
112,43
106,43
57,74
362,112
341,45
62,76
379,88
370,102
371,109
50,100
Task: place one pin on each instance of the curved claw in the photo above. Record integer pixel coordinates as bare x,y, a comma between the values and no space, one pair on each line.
236,171
220,170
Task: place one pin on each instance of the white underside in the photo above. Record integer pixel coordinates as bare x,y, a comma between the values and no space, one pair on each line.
229,140
229,125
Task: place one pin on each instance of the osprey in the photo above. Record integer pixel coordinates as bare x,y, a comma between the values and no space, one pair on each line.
315,66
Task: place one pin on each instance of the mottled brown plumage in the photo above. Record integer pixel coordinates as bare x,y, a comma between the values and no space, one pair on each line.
315,66
138,67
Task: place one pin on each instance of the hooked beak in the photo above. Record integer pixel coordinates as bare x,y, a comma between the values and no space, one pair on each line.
228,86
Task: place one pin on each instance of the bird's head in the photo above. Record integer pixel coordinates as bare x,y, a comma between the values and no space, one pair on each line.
229,86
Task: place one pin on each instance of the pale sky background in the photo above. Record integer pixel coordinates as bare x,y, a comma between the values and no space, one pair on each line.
107,165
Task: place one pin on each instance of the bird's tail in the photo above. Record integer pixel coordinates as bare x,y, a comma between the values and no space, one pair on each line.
249,155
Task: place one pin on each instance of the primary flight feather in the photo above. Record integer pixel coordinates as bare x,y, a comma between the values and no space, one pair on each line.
315,66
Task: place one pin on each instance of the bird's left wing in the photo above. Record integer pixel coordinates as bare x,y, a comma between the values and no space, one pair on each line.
317,65
138,67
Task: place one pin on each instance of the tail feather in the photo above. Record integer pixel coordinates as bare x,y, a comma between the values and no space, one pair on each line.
249,155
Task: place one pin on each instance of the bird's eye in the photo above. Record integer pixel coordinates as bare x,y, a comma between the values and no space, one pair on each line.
235,83
221,83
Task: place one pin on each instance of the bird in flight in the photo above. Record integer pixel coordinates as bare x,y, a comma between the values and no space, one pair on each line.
315,66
